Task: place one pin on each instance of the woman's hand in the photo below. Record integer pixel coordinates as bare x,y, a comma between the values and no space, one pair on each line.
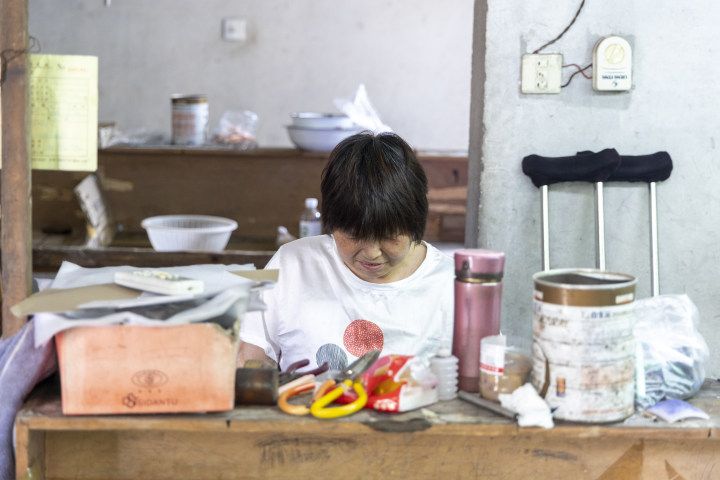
253,354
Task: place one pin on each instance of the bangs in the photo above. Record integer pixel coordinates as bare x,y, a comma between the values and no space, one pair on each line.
375,218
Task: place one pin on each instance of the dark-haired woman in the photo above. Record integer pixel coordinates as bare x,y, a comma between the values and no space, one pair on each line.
370,282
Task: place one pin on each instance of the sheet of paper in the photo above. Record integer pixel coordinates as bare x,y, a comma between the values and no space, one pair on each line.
63,103
99,226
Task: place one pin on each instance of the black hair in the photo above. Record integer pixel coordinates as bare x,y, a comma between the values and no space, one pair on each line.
373,187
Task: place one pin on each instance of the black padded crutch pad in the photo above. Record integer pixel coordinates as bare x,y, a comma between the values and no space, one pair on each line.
583,167
655,167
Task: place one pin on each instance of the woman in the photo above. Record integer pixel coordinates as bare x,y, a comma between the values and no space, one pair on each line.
371,282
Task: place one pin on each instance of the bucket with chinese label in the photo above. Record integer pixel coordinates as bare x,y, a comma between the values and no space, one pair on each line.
190,116
583,343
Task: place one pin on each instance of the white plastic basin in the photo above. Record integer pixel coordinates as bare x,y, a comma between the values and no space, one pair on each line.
319,140
321,120
174,233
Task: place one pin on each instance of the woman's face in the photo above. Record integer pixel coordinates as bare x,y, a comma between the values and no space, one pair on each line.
380,261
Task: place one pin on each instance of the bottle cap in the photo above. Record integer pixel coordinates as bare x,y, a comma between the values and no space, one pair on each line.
479,263
443,352
311,203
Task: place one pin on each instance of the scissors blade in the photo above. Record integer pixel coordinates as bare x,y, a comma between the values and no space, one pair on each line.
361,364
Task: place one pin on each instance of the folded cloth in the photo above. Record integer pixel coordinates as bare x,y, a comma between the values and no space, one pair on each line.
654,167
583,167
22,366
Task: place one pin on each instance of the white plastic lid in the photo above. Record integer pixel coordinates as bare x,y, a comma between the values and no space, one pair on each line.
443,352
311,203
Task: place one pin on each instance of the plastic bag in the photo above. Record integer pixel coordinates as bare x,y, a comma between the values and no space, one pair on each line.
397,383
237,129
133,136
671,351
362,112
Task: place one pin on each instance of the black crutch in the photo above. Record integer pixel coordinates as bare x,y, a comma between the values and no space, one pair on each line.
595,167
652,168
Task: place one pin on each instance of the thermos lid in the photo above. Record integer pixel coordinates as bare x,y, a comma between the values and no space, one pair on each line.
479,264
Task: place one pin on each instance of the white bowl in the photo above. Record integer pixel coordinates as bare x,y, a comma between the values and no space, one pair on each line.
321,120
176,233
319,140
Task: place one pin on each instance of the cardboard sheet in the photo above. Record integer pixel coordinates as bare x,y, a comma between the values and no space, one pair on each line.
85,297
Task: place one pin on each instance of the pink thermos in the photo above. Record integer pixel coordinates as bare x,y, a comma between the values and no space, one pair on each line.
478,292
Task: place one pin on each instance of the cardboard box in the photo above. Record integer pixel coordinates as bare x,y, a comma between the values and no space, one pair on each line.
140,369
136,369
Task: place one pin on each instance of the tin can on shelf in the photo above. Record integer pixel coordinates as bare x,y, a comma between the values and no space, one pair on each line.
190,115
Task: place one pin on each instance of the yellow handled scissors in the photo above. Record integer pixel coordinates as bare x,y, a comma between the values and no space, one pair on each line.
324,396
350,377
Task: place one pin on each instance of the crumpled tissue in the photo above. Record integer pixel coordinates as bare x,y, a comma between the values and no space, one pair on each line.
531,409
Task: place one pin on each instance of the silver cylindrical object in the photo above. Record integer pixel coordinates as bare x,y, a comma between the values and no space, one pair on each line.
600,226
654,241
545,228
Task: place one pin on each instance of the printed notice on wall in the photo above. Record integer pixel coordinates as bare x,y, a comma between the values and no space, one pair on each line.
63,103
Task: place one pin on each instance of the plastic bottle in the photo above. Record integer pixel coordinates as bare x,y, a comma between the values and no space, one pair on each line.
310,224
283,236
478,294
445,367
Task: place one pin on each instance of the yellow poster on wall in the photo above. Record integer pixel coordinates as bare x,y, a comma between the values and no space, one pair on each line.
63,111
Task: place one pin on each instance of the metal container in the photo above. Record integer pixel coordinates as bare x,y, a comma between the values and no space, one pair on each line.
583,343
478,293
190,114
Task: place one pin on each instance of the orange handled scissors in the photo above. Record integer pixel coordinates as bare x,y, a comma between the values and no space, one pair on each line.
323,397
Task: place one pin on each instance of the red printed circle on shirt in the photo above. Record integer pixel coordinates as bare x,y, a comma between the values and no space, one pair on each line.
361,336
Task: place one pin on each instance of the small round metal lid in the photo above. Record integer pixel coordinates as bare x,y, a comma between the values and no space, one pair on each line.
194,98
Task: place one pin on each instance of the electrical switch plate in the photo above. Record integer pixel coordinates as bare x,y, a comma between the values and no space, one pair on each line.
234,30
541,73
612,65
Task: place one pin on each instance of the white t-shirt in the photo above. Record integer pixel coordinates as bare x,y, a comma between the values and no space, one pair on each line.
321,311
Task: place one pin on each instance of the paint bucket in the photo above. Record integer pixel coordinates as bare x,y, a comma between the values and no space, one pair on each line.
583,343
190,116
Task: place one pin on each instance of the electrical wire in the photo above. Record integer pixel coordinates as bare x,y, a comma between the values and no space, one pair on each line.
580,70
8,55
582,4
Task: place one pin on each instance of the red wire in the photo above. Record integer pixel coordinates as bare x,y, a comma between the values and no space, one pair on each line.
579,69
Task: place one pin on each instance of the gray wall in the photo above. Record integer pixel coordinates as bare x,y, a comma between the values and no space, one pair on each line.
673,106
413,56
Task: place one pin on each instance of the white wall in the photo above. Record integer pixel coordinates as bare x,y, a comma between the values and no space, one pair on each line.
673,106
413,56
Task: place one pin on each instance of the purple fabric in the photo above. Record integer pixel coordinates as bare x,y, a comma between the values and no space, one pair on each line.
22,366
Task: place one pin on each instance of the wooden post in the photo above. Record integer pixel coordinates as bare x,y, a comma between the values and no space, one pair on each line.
16,230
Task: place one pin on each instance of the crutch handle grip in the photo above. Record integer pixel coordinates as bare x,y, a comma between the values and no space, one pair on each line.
654,167
583,167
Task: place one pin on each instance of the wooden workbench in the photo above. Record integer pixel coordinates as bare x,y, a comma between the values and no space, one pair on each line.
446,441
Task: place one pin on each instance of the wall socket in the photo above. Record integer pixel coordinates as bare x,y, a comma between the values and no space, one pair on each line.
234,30
541,73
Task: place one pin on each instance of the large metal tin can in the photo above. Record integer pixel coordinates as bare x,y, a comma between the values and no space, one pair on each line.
583,343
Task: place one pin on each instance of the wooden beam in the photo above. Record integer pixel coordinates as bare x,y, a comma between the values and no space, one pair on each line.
15,226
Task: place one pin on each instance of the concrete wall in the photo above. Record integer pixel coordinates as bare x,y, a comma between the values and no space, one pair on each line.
414,58
673,106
